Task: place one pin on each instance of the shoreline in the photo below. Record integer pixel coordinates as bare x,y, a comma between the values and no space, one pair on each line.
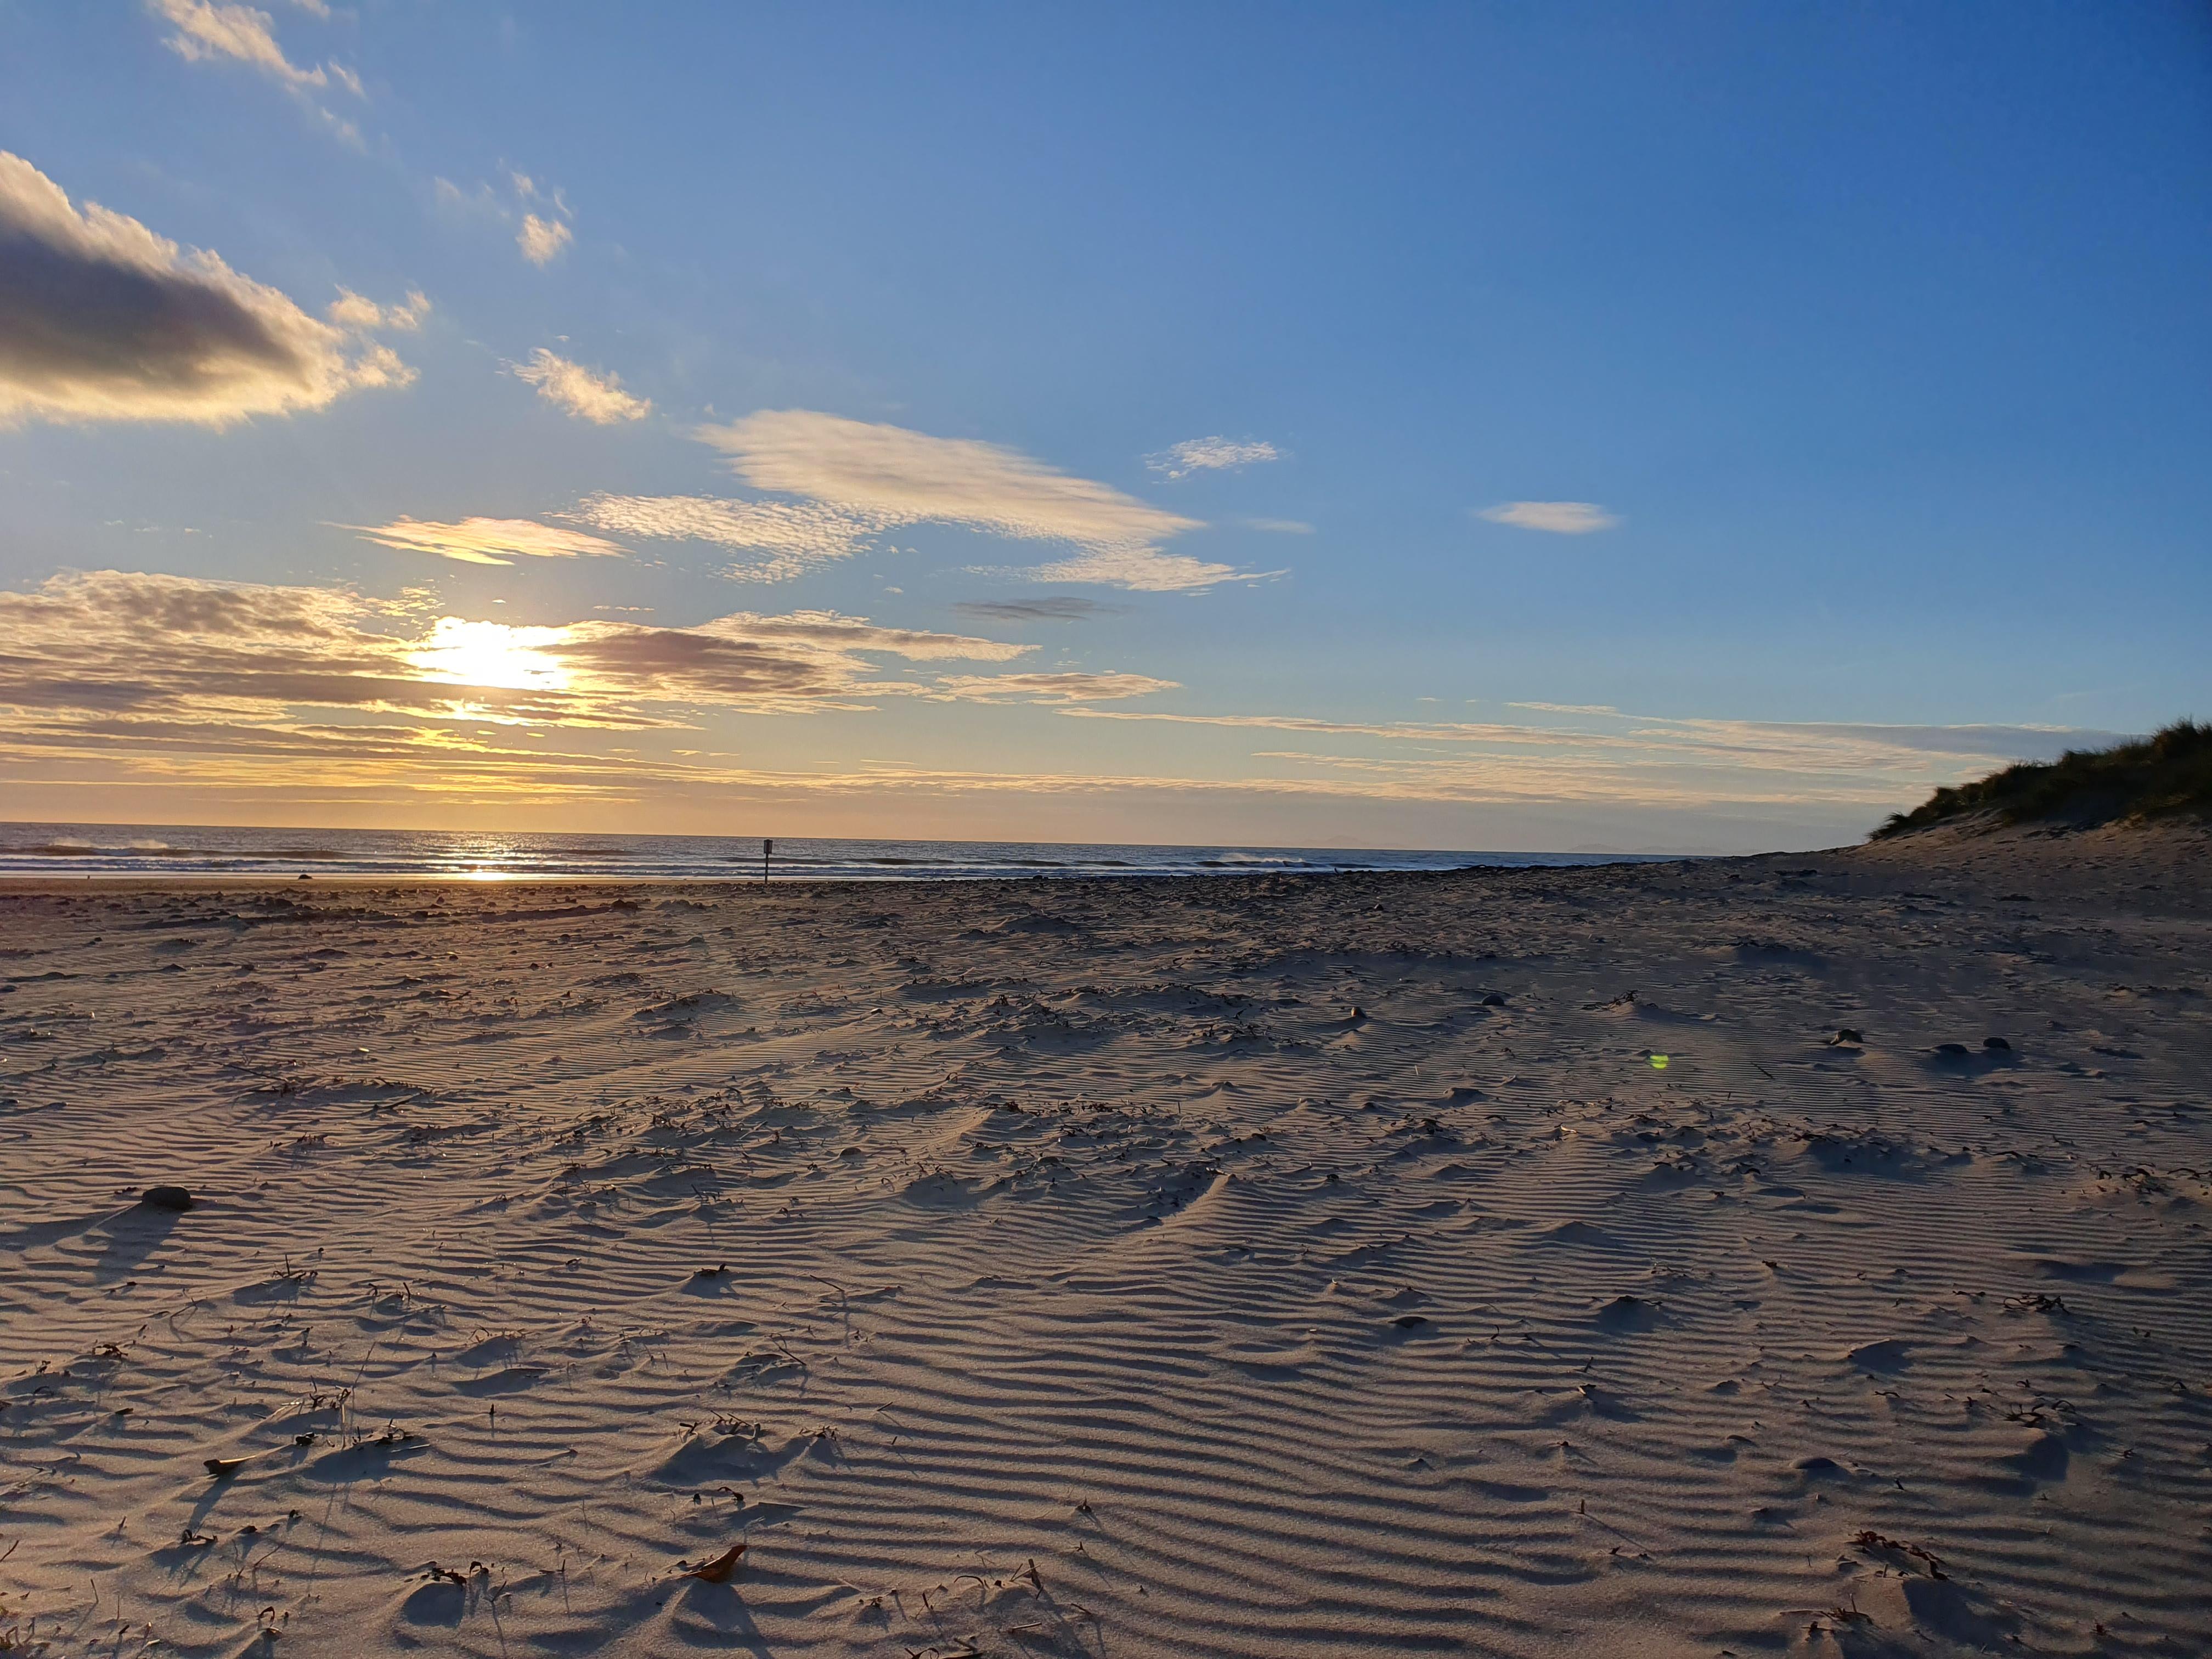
27,884
189,852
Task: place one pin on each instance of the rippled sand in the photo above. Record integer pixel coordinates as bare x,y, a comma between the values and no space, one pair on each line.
1274,1266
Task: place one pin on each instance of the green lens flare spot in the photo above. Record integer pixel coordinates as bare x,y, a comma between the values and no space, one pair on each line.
1658,1062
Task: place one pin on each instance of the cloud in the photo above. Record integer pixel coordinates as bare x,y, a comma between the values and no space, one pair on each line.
211,31
872,477
827,628
1058,608
206,30
1142,569
1209,455
102,319
487,541
857,481
1642,760
783,540
909,477
765,662
527,188
350,310
479,202
1278,527
113,677
117,644
1560,517
114,641
586,395
1050,688
542,239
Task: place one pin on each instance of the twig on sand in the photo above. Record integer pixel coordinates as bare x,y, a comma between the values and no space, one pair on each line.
1871,1540
347,1399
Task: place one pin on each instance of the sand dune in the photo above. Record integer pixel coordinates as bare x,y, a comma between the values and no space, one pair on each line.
1275,1266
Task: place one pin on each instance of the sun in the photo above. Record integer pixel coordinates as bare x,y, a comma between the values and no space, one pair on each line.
493,655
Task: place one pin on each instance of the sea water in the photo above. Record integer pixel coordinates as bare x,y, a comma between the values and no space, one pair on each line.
185,850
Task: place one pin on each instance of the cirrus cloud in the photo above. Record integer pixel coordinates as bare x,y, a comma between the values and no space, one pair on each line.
1560,518
1142,570
487,541
857,479
909,477
1594,753
1067,686
780,539
1058,609
100,319
1215,454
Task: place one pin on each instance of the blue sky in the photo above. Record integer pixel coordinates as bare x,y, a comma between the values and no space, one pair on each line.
1661,427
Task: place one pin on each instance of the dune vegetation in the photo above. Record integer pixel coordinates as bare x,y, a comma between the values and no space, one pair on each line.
2166,775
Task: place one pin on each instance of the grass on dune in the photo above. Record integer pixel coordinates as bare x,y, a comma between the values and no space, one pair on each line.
2166,775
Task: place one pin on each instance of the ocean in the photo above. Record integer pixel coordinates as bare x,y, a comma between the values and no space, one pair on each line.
49,850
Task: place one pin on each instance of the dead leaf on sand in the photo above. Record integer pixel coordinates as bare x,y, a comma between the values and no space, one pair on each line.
718,1570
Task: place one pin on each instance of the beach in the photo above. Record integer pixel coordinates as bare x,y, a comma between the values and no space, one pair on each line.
1803,1253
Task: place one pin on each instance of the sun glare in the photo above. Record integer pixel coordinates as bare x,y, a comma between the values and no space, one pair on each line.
491,653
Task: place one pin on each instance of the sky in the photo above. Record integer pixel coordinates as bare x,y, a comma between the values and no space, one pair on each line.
1684,428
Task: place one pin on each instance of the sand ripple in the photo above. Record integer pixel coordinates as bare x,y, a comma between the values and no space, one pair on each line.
1078,1273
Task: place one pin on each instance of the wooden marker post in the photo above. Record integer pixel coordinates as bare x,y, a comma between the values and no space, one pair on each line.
767,846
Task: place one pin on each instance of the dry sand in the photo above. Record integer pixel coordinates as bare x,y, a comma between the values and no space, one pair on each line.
1273,1267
